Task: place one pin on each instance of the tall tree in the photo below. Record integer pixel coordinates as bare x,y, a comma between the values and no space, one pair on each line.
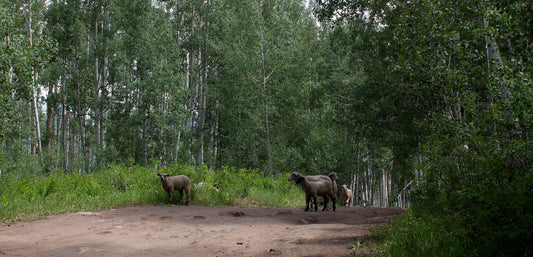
30,21
447,69
24,50
263,71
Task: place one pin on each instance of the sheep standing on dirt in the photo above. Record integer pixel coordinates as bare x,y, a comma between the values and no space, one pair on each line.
333,177
179,183
346,195
314,188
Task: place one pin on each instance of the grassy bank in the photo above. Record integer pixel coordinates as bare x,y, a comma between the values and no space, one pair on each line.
412,235
34,197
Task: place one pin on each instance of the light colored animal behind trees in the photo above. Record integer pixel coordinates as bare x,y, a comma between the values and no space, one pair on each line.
176,183
313,189
346,195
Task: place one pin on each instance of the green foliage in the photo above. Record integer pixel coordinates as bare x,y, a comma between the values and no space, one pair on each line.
411,235
410,88
27,197
487,192
30,197
453,88
268,56
128,83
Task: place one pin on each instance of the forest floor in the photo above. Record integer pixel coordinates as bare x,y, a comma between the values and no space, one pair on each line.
169,230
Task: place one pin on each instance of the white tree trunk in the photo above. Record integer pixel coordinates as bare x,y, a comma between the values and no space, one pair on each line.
34,86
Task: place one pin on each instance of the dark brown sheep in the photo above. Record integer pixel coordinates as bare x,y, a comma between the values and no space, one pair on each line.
331,176
314,188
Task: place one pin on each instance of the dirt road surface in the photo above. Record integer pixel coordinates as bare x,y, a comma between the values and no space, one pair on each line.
166,230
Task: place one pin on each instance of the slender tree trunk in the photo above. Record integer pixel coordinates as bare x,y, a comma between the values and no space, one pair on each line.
214,136
188,124
493,52
189,121
201,110
264,81
64,134
96,104
36,113
358,190
178,145
50,117
83,144
34,87
101,113
163,109
81,117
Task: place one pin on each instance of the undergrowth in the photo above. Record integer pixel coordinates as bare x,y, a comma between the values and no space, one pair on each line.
24,197
413,235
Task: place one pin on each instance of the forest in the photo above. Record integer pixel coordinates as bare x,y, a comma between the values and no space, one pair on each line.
421,104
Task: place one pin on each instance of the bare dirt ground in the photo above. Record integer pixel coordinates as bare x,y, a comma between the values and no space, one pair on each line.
167,230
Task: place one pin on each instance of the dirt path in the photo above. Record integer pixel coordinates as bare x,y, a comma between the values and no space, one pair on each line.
194,231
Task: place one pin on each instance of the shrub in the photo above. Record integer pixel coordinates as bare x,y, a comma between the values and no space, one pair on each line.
26,197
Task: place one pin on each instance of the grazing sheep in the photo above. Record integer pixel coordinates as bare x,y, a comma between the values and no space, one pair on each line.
346,195
179,183
313,189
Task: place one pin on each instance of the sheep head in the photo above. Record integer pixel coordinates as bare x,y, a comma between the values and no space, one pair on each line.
162,175
175,183
296,177
333,176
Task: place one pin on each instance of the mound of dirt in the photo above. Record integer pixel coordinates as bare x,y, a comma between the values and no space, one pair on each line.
194,231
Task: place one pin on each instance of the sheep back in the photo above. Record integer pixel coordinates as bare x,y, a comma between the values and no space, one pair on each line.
314,186
176,183
332,176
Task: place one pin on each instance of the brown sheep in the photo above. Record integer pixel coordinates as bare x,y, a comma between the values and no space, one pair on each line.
332,176
314,188
346,195
176,183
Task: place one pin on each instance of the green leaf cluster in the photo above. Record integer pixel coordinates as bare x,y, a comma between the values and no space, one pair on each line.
452,96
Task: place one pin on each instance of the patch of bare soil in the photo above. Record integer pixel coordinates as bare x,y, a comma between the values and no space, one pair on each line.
194,231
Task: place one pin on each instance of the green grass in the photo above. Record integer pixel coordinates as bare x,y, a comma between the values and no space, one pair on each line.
411,235
33,197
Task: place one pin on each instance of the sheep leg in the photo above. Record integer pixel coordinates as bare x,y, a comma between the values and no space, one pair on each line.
333,200
316,203
307,200
181,196
326,202
188,192
169,196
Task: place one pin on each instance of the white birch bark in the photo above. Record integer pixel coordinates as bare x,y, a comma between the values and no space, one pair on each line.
34,86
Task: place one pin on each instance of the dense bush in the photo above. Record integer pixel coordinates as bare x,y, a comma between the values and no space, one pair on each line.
29,197
412,235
